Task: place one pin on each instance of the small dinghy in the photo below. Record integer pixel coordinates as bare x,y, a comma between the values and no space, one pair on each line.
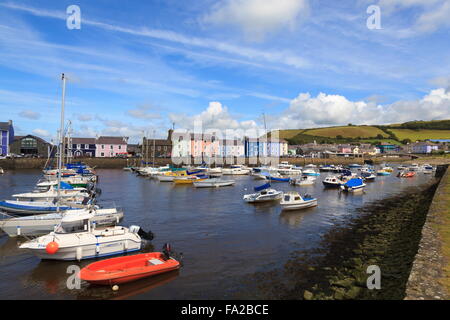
353,185
264,193
408,174
294,201
1,171
129,268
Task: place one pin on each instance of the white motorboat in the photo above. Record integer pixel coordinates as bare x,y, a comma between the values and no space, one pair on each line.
427,168
236,170
303,181
213,183
71,243
294,201
353,185
414,167
45,223
311,172
264,193
332,181
284,168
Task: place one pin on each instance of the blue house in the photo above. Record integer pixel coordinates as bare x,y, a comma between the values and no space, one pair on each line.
262,147
6,137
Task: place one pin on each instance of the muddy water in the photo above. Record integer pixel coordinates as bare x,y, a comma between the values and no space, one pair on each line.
224,240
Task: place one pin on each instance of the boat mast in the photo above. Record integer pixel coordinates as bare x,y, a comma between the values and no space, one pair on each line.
154,148
61,137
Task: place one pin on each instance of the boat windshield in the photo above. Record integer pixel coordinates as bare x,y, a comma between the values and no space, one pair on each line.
72,227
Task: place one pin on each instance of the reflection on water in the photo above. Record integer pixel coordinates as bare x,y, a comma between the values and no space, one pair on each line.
223,238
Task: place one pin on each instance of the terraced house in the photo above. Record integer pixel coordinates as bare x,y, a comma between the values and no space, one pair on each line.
6,137
81,147
110,147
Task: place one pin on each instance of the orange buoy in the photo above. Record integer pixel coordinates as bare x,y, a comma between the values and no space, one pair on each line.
52,247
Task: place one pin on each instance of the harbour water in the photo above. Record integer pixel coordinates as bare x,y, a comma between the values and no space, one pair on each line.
223,239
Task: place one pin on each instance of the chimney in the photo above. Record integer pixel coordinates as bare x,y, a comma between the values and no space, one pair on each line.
10,122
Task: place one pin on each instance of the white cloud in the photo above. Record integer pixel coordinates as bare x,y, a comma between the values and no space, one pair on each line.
30,114
433,106
143,112
41,133
216,116
85,117
328,110
257,18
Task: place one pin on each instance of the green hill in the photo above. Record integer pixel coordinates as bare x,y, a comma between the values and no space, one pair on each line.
395,133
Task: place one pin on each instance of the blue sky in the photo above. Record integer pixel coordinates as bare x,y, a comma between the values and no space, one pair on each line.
140,66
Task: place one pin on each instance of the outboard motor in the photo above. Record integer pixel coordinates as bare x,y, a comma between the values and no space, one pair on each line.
146,235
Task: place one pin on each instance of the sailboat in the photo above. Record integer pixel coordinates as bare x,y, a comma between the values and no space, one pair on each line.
45,223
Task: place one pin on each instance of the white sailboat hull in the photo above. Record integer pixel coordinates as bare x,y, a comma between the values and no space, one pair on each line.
45,223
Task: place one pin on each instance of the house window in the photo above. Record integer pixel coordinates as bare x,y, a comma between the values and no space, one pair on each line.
102,154
29,143
111,147
159,148
78,146
120,147
86,146
103,147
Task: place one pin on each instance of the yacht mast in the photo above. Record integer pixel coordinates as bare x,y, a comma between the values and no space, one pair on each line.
61,137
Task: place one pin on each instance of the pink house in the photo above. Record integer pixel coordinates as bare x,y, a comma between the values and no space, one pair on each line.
205,145
109,147
343,148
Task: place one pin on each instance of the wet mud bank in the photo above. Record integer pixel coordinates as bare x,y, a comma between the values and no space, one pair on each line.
385,233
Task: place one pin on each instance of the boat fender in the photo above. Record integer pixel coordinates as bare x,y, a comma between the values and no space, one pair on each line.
79,253
18,230
125,245
52,247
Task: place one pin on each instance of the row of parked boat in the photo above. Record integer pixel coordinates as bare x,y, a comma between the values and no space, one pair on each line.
346,180
63,220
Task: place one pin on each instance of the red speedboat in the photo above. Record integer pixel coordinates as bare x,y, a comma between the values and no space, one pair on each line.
129,268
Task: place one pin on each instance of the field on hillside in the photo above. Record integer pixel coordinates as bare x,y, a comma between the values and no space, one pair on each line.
347,132
421,134
289,133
